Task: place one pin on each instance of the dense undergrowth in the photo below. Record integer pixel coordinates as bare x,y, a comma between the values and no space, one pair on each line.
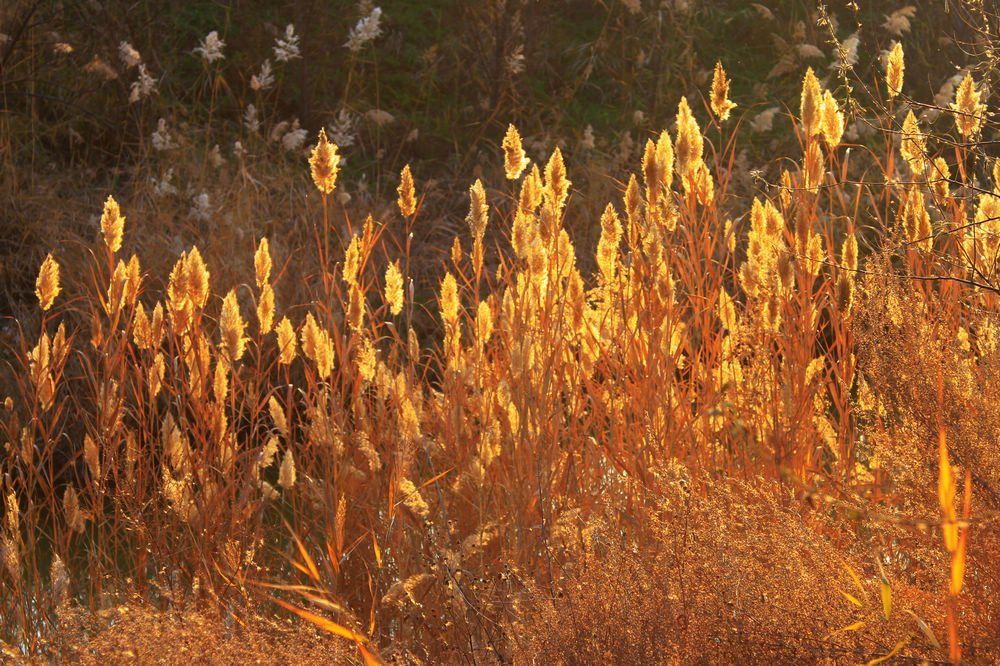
705,414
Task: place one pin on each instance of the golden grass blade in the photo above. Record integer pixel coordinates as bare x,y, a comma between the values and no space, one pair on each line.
884,590
433,479
851,627
378,551
854,577
852,599
899,646
927,631
322,622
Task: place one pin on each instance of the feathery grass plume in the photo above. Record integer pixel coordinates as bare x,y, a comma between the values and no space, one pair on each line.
47,283
721,105
514,158
407,199
265,309
607,246
197,277
556,184
727,310
220,384
412,499
286,473
913,146
133,280
849,253
812,167
916,220
531,192
154,375
356,308
364,358
286,341
112,224
894,70
449,300
262,262
142,333
394,288
785,193
324,164
688,146
811,104
116,289
352,261
409,423
75,517
478,209
484,323
832,123
232,325
92,456
815,254
968,110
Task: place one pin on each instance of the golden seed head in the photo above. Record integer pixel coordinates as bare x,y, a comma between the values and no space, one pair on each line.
721,106
514,158
556,183
286,474
364,358
112,224
407,199
531,192
394,288
689,144
286,341
941,174
811,105
133,280
265,309
197,279
849,253
262,262
484,322
356,308
220,385
913,144
812,167
232,326
894,70
968,110
324,164
141,332
449,299
478,209
47,284
607,246
352,261
832,123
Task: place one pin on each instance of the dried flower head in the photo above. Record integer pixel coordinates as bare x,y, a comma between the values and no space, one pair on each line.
894,70
721,105
912,146
286,341
112,224
968,110
478,209
394,288
407,199
287,48
286,474
232,326
514,158
265,309
47,284
211,47
324,164
366,30
811,106
689,144
832,123
262,262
